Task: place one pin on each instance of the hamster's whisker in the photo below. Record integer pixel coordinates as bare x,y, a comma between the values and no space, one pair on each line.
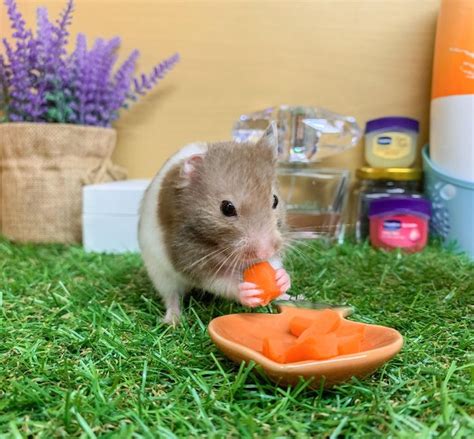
233,268
321,227
222,264
293,249
207,256
297,244
235,261
241,243
298,252
295,241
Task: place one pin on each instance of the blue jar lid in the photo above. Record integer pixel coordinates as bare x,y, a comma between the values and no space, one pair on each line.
406,123
400,204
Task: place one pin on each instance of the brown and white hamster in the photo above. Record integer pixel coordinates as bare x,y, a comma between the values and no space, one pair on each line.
210,212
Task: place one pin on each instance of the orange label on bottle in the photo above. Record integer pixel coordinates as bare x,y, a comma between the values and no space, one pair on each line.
453,67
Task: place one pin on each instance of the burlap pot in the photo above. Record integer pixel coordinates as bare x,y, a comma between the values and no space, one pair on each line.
43,168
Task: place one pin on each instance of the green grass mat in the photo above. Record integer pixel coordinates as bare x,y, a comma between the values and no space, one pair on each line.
83,352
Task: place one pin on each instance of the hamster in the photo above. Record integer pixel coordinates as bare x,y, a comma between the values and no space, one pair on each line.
210,212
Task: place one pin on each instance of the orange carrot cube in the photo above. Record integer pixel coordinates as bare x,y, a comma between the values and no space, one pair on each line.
313,348
349,344
349,328
325,322
264,276
273,350
298,324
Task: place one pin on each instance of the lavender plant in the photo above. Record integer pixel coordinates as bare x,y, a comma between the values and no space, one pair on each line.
41,82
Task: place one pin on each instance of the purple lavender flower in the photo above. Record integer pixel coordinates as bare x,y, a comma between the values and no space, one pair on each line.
145,82
40,82
19,57
4,76
78,67
121,84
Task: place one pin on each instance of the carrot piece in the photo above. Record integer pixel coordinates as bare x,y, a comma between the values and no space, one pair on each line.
273,350
349,328
313,348
264,276
298,324
349,344
323,323
295,353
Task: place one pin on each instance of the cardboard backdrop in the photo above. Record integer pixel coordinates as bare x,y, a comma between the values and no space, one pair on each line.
367,58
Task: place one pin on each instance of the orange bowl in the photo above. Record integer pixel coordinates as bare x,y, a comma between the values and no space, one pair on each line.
240,337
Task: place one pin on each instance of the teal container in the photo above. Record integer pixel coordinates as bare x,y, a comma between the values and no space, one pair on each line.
453,206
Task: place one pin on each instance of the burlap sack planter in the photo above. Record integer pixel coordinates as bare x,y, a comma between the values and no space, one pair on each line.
43,168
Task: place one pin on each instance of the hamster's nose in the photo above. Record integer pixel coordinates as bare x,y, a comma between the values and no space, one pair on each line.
267,250
263,248
259,252
264,253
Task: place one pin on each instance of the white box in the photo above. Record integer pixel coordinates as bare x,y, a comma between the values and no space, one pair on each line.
110,216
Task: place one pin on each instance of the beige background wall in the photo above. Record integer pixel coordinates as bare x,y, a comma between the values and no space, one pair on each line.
367,58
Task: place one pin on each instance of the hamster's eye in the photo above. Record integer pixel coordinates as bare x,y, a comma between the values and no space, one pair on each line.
275,202
228,209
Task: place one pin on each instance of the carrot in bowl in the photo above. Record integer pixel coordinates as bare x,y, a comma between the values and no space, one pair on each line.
349,344
299,324
273,349
349,328
326,335
313,348
323,323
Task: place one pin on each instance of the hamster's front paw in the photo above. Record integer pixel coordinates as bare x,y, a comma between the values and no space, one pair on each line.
248,294
283,280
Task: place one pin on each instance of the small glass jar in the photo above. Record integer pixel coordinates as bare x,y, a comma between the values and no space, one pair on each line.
375,183
315,200
391,142
399,222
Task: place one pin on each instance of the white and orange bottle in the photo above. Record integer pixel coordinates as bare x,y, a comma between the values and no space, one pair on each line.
452,105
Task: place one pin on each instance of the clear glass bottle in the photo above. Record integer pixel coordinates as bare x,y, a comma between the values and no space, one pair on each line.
306,134
315,200
374,183
315,196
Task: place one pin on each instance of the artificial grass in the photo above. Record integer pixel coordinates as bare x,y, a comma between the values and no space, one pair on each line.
83,352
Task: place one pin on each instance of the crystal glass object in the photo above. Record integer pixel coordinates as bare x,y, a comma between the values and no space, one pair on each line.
315,201
305,134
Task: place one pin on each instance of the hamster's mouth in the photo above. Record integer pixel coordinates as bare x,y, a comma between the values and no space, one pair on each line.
238,264
250,258
232,268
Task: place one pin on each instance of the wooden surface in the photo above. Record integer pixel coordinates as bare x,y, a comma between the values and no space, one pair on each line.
366,58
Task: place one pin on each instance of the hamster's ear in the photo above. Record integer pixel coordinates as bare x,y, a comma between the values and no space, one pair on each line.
190,168
270,137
